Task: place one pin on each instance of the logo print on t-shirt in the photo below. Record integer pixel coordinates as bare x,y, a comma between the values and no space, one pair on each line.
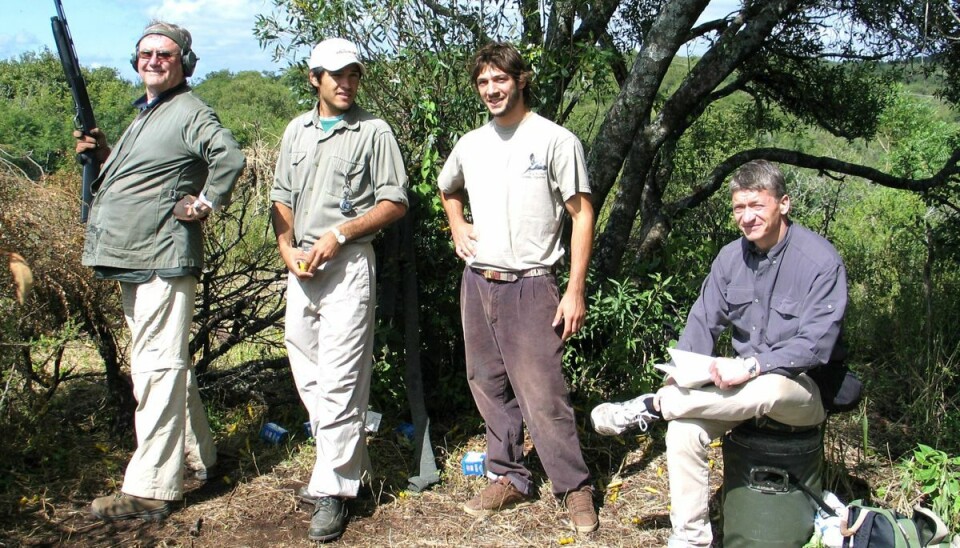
536,168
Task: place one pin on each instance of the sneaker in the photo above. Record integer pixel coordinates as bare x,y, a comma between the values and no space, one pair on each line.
329,519
123,506
499,496
613,419
582,514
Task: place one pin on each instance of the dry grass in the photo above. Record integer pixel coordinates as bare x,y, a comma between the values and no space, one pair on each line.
255,505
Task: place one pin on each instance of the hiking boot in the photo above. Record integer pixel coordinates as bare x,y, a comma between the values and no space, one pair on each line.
582,514
613,419
499,496
329,519
123,506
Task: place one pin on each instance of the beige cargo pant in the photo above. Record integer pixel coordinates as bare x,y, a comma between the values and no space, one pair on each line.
698,416
170,420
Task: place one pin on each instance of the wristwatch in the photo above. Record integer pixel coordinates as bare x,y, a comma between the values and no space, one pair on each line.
341,239
753,367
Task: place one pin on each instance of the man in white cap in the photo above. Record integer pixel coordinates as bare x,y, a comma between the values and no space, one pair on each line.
172,166
339,179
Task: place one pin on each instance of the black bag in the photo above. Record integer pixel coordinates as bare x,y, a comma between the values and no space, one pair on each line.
840,389
875,527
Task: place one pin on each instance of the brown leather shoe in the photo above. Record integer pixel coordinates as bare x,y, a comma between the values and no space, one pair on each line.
582,514
123,506
499,496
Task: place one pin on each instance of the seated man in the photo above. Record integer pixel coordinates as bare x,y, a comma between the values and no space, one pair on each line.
783,291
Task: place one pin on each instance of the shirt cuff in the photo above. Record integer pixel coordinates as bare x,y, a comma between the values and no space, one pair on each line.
204,201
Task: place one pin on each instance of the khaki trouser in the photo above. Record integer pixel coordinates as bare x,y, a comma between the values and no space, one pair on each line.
329,339
170,420
697,416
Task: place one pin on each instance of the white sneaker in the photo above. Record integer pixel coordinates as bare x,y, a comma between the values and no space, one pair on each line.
613,419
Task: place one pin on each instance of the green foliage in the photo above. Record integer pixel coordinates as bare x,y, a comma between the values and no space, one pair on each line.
627,330
253,105
917,140
845,99
37,110
937,477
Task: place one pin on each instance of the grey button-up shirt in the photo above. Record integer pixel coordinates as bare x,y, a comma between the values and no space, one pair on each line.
785,307
357,160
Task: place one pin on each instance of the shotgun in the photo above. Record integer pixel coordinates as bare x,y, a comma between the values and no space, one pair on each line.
84,120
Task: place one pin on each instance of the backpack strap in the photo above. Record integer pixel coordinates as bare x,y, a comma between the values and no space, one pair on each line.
850,530
813,496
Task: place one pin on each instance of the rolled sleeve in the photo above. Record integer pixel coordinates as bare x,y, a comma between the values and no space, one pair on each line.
389,174
282,189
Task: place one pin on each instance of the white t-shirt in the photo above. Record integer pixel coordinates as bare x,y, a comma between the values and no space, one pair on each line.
517,180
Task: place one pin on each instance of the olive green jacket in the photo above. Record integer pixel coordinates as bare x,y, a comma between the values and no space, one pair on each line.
173,148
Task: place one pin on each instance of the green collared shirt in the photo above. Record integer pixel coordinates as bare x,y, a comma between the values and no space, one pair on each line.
356,163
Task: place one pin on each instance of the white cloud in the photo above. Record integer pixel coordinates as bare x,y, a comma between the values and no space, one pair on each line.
222,32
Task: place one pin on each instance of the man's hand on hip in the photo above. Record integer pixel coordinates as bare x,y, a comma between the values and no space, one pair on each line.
464,241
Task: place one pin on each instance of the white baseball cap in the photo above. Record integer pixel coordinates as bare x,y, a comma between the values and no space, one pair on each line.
333,54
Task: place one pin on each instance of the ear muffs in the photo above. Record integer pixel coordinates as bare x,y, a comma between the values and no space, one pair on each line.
188,60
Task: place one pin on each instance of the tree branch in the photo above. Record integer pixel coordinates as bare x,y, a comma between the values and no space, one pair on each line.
824,164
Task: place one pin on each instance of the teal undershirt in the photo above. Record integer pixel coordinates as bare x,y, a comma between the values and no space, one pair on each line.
326,124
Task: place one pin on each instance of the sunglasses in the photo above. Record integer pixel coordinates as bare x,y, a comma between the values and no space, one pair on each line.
162,55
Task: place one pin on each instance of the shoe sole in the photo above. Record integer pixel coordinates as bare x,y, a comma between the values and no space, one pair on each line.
480,512
602,429
325,538
147,515
586,528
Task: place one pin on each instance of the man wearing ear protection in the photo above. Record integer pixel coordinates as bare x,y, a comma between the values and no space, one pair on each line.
339,180
172,166
782,290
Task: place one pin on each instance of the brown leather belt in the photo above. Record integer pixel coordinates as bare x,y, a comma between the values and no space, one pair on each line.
498,276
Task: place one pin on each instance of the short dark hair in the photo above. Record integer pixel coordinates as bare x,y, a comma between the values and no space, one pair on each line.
505,57
318,74
759,175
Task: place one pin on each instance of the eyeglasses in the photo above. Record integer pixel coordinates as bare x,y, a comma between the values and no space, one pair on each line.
162,55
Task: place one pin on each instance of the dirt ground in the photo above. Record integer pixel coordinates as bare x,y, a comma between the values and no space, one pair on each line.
254,503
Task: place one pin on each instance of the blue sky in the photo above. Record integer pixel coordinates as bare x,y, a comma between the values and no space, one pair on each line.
105,31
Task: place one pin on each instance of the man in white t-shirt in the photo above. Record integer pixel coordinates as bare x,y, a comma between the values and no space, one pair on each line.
520,172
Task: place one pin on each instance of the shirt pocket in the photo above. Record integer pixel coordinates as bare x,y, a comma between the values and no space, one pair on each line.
345,178
738,301
784,321
297,159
